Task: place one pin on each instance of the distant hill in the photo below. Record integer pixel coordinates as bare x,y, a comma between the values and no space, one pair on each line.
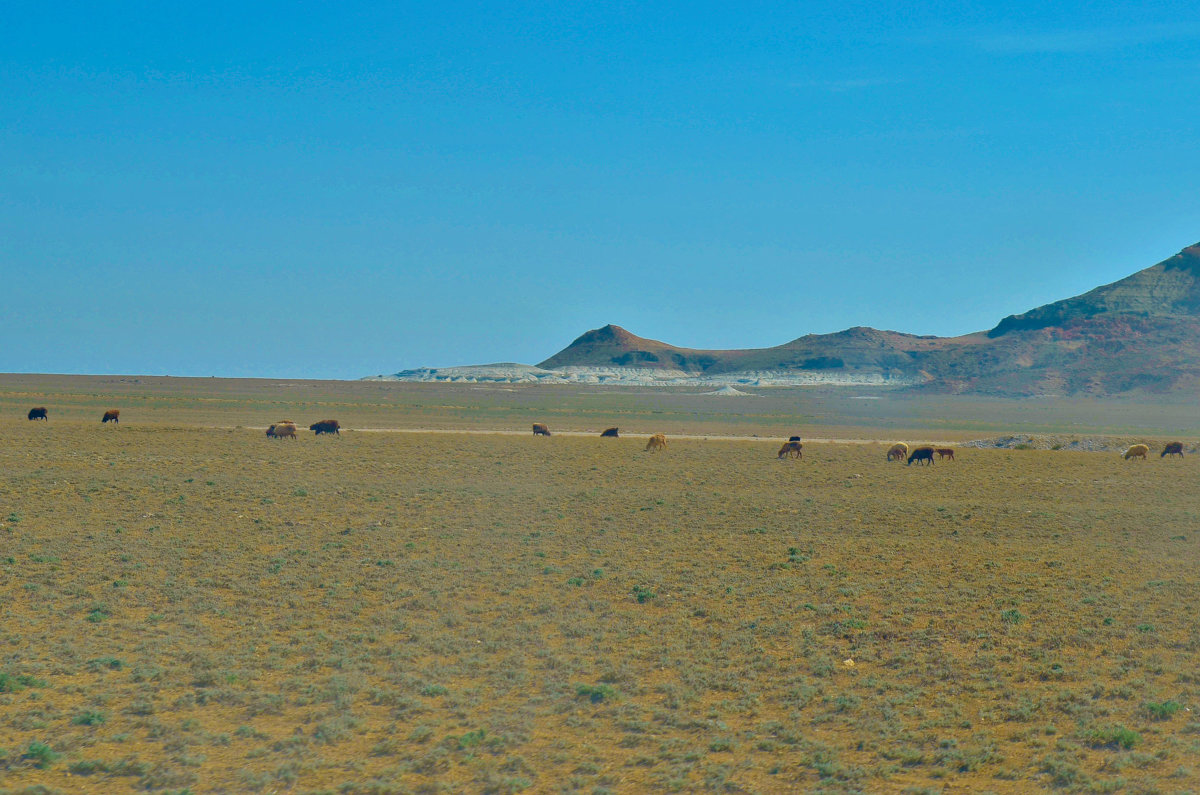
1141,333
1170,289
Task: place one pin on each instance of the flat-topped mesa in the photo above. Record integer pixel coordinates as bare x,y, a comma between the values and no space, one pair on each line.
1169,289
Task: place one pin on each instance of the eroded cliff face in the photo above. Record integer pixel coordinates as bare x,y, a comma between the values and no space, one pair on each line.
1169,289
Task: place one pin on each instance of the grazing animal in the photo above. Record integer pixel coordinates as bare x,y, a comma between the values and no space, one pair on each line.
112,415
610,433
945,452
282,430
1137,451
540,429
898,452
921,454
794,439
657,442
325,426
792,449
38,414
1174,448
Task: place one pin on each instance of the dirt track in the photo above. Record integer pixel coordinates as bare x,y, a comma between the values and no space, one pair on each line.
477,432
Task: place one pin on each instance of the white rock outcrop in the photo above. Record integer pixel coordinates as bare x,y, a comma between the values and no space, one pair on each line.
513,373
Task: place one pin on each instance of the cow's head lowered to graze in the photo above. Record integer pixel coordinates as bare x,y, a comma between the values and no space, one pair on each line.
1172,448
282,430
922,455
1137,451
793,449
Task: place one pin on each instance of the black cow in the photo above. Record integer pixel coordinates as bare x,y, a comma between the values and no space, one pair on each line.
1174,448
38,414
921,454
609,433
325,426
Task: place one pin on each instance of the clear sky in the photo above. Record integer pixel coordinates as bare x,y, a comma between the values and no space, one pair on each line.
335,190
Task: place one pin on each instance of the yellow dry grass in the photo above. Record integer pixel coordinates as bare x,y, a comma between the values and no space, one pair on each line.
204,609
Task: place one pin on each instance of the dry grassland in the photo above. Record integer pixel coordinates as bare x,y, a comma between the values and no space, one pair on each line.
205,610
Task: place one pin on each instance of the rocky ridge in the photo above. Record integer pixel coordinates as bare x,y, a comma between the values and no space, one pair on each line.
1140,334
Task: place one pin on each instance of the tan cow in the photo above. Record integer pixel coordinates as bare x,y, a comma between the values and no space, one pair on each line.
792,449
898,452
657,442
282,430
540,430
1137,451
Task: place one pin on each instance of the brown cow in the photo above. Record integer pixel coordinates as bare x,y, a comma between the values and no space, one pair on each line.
282,430
945,452
897,452
657,442
325,426
540,430
921,454
112,415
1137,451
792,449
609,433
38,413
1174,448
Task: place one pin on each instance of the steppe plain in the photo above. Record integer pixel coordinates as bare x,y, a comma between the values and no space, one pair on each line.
187,606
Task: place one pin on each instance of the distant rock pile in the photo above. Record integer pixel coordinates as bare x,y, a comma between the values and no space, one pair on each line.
1086,444
512,373
728,391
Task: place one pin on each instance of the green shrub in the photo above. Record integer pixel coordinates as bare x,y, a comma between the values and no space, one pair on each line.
13,684
89,717
1111,737
595,693
1164,710
40,754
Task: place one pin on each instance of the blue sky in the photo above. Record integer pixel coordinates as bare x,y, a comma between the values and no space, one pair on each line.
339,190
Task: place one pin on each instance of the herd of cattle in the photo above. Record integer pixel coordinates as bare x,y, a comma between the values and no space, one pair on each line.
284,429
792,448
